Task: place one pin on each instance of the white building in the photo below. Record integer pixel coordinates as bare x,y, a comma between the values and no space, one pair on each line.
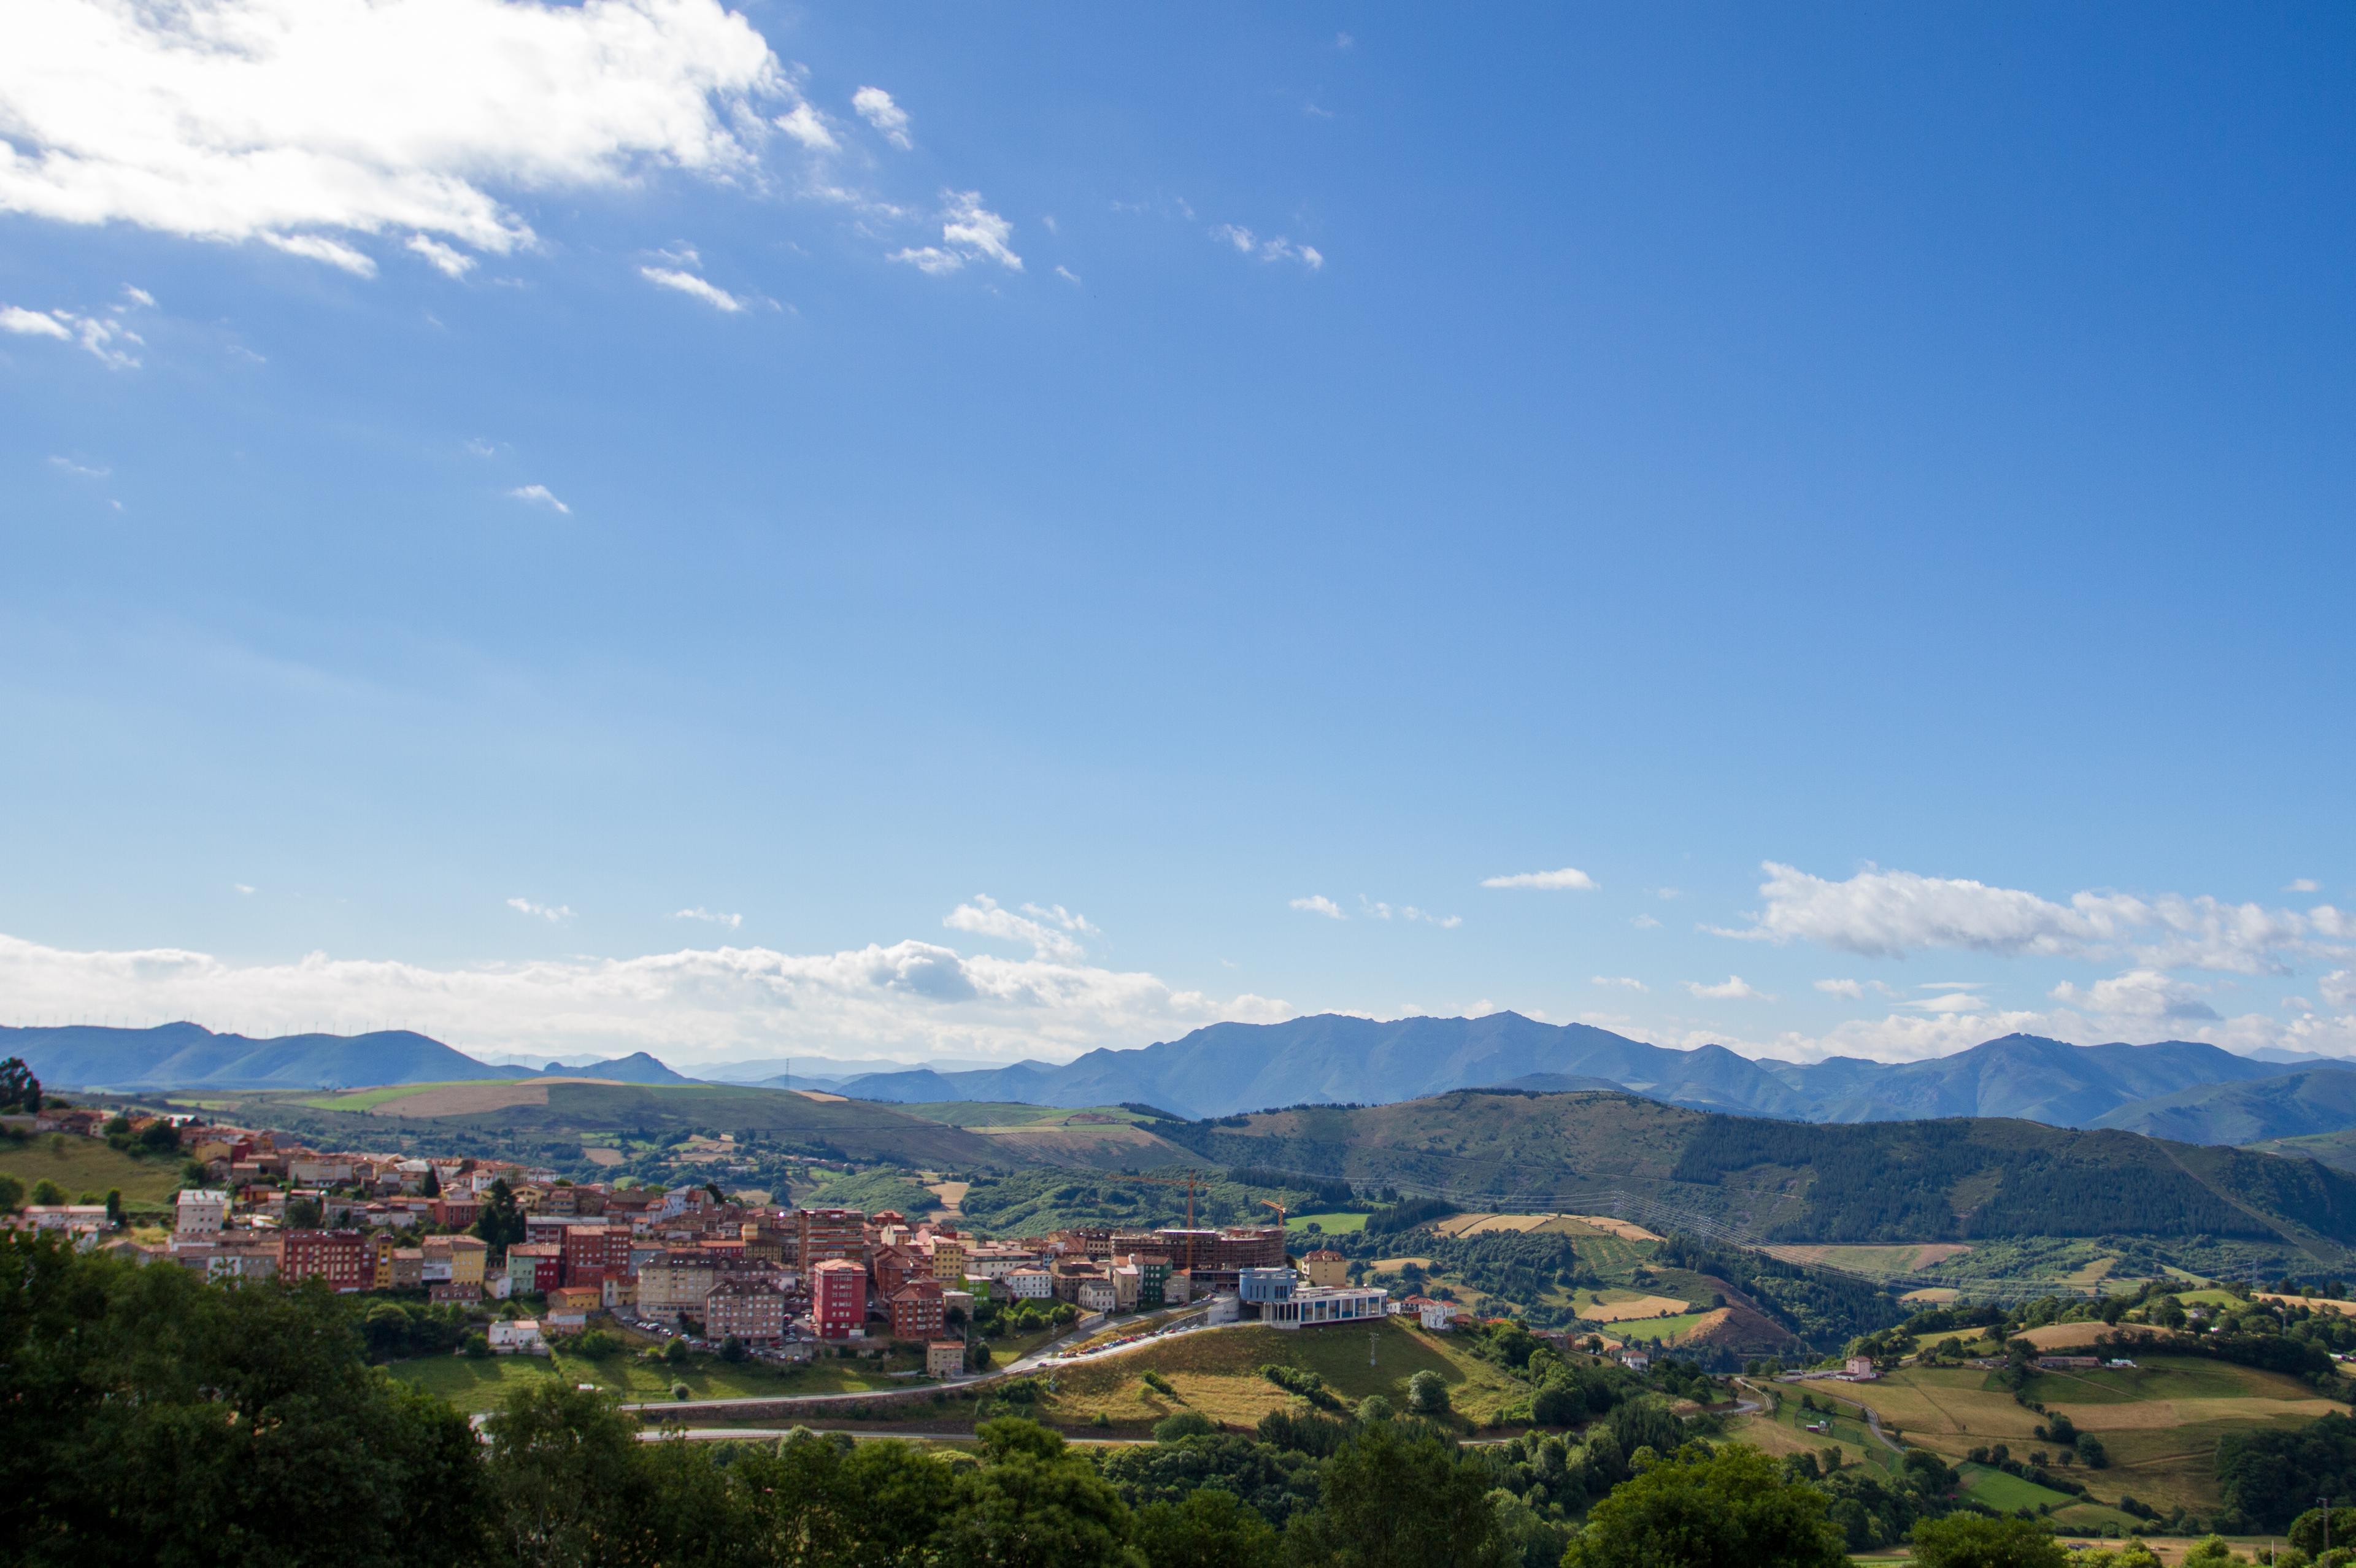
1326,1304
198,1211
1031,1284
521,1335
1098,1295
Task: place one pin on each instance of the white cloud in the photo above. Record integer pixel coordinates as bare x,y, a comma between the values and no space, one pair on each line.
970,232
876,106
1627,981
712,917
102,337
243,887
78,471
2303,885
292,120
1952,1002
1278,249
1058,914
1445,922
540,495
32,324
806,125
477,447
1879,913
1567,877
1067,274
1318,904
2139,993
692,286
550,913
319,248
1049,937
447,259
2340,988
1732,988
911,999
1645,923
1853,990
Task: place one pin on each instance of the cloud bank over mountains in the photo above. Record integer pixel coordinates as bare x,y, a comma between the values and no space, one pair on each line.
695,1005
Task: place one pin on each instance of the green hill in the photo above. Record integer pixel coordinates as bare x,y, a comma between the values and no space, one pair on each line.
1886,1182
541,1118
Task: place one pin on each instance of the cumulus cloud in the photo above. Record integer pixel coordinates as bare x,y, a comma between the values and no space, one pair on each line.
78,470
293,121
1318,904
2303,885
549,913
1645,923
710,916
1567,877
693,287
1732,988
970,232
911,999
1853,990
2139,994
1890,915
540,495
891,121
1628,982
1050,931
2340,988
1277,249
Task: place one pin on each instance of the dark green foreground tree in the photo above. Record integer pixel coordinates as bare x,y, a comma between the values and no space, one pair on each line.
1729,1508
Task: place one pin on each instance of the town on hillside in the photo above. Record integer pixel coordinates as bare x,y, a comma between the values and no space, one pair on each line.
778,1284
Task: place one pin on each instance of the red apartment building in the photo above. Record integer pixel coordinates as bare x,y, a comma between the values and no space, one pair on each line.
339,1258
593,1253
838,1298
916,1308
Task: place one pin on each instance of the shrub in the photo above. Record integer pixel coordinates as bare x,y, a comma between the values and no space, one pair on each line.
679,1391
1185,1424
1426,1393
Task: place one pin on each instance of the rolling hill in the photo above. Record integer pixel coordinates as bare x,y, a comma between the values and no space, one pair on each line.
485,1116
1883,1183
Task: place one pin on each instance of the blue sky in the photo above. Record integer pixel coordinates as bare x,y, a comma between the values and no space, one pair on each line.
488,491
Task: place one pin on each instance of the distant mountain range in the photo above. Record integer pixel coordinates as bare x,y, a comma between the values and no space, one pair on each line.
2179,1090
1329,1059
190,1056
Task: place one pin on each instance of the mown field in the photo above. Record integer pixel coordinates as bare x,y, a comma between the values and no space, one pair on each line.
1217,1373
82,1164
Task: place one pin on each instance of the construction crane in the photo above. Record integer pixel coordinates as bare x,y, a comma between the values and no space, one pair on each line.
1190,1182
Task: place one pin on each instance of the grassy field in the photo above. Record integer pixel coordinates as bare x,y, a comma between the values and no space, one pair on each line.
1216,1371
2005,1493
480,1384
1330,1224
993,1116
2159,1421
1784,1430
1656,1330
369,1099
82,1164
